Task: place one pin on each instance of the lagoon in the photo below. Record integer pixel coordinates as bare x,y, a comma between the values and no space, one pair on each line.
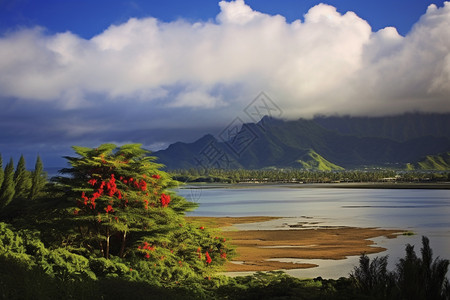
422,211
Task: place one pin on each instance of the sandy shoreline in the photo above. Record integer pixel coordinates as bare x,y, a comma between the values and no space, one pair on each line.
258,250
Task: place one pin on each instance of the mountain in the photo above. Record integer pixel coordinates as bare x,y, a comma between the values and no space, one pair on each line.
322,143
439,162
400,127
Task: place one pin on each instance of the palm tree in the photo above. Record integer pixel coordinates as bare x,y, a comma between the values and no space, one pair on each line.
422,278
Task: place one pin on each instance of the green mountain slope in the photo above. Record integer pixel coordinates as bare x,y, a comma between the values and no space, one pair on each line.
313,161
440,162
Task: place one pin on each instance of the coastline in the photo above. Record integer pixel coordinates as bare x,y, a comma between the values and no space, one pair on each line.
350,185
275,249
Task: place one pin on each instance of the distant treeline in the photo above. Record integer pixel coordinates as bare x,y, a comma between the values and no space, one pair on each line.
17,183
302,176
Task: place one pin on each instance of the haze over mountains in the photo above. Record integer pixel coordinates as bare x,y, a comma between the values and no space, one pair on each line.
413,141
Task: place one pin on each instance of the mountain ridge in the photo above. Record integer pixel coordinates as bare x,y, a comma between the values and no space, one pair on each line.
276,143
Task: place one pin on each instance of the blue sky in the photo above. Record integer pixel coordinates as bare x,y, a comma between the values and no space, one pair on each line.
155,72
88,18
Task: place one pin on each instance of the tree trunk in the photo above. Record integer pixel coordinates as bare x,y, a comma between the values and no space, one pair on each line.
122,247
107,244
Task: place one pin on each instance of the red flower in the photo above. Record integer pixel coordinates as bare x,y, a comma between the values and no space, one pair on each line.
208,258
93,181
223,255
165,200
156,176
202,227
84,198
109,209
142,185
75,212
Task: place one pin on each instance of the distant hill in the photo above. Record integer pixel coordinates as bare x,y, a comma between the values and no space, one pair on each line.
322,143
440,162
313,161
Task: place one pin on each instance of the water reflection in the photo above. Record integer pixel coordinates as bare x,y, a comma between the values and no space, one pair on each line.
425,212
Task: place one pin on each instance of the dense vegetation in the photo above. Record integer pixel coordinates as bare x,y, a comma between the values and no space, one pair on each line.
111,216
110,228
302,176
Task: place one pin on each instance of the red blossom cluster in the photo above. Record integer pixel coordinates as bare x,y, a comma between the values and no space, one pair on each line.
105,188
208,258
139,184
165,200
109,209
146,248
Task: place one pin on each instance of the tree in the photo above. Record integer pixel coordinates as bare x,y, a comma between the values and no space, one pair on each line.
414,278
372,277
38,179
22,180
122,208
422,278
7,189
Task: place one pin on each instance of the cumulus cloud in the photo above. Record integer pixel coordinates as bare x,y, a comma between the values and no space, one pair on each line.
152,72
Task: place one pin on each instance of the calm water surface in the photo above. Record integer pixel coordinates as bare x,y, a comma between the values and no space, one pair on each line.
425,212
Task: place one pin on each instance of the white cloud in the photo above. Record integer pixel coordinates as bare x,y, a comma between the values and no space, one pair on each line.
330,63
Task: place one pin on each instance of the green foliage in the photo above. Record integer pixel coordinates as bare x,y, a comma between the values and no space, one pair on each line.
38,180
423,278
372,277
22,180
278,285
29,270
25,247
123,214
7,189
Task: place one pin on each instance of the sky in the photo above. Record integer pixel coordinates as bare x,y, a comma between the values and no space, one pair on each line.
155,72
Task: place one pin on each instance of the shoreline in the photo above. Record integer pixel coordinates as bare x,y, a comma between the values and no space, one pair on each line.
268,250
350,185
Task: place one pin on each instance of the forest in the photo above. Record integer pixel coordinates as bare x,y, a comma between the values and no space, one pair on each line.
303,176
110,227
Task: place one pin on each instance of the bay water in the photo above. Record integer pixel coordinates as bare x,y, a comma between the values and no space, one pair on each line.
424,212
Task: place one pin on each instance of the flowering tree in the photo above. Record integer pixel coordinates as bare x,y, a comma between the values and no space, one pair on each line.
122,207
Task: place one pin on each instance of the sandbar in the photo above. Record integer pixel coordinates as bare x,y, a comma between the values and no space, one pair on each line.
258,250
